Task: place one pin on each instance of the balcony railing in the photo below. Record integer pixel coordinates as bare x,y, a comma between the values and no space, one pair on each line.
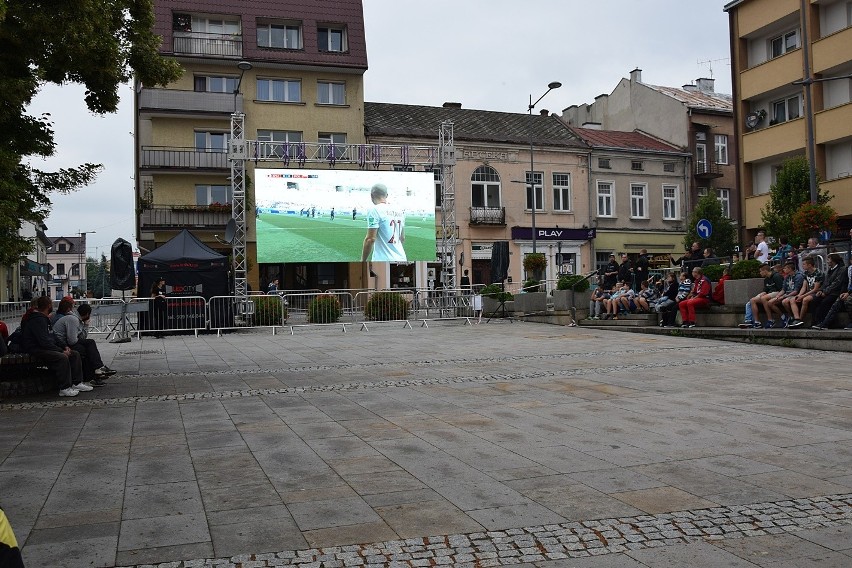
216,45
180,216
487,215
173,100
707,170
183,158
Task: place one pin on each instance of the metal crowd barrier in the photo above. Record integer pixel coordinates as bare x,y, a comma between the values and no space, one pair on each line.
319,309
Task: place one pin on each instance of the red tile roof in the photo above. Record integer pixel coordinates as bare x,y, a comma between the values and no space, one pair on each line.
622,140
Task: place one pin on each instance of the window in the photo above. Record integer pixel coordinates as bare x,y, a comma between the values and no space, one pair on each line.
603,163
605,199
333,142
207,194
537,181
75,269
331,38
215,84
562,192
285,143
721,144
211,141
439,197
638,200
780,45
280,36
786,109
701,158
637,165
670,202
60,268
279,90
485,187
725,201
219,26
61,247
669,167
331,93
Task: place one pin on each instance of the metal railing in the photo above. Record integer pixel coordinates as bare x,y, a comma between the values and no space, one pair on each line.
487,215
188,158
197,43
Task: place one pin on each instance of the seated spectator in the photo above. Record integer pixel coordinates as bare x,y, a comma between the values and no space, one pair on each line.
798,305
843,300
719,290
699,297
646,296
793,280
666,304
65,307
611,304
37,340
773,283
627,300
836,282
599,294
73,331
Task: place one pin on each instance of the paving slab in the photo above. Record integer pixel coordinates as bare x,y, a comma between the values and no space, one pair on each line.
428,446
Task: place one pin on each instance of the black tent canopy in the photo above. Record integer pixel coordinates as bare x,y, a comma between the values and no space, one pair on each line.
189,267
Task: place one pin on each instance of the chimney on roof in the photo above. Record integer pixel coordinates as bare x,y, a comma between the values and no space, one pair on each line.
705,85
691,88
636,76
452,105
592,125
544,112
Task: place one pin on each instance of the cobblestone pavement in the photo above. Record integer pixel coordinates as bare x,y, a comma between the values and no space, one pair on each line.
453,445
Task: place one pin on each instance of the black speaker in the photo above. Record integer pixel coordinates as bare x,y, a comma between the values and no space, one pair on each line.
122,275
499,261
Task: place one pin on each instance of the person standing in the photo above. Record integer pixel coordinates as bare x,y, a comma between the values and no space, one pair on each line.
332,213
625,271
465,281
385,229
642,266
158,313
609,273
762,252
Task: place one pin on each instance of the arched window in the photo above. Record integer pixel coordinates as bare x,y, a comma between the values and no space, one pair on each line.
485,187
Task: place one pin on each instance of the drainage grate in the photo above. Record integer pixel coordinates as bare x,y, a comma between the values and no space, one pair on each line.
142,352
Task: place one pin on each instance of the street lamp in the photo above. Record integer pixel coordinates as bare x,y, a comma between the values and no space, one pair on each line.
243,66
550,87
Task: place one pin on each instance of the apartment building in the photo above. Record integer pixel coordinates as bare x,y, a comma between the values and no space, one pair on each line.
693,118
295,69
637,191
494,186
774,44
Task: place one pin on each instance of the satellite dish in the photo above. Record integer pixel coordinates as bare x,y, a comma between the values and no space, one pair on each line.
230,231
753,119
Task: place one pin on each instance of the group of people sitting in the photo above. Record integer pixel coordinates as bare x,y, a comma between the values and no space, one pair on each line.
790,294
667,297
60,340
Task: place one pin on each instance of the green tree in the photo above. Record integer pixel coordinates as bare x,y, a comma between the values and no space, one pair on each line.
790,190
722,237
97,276
98,43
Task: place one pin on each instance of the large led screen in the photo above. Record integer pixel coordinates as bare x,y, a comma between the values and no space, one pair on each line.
344,216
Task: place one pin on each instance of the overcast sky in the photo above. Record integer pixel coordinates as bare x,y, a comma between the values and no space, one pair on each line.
485,54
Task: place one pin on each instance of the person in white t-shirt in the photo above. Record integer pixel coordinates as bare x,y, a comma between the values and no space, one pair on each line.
385,229
762,252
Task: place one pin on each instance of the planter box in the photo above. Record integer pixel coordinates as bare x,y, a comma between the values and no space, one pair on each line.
533,302
562,300
491,308
738,292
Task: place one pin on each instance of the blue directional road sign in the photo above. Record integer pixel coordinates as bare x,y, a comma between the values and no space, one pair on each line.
704,229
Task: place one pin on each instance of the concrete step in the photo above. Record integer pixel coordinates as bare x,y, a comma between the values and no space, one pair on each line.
628,320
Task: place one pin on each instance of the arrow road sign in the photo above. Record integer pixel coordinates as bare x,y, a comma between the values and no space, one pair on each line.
704,229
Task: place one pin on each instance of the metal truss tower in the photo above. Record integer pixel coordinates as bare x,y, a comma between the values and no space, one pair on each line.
237,156
449,235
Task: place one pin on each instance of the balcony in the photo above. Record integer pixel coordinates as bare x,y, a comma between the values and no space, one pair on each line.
707,170
209,45
833,124
165,158
771,74
172,101
777,140
487,215
832,50
179,216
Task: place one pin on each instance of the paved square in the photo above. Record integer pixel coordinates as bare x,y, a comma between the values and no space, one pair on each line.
455,445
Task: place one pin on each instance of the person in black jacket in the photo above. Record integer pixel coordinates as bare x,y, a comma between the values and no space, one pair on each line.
625,271
37,340
641,268
836,282
690,259
609,273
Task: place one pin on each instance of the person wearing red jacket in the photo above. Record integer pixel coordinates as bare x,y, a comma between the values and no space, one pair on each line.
699,297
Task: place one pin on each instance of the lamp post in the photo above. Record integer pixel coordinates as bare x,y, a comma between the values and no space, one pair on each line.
531,181
82,266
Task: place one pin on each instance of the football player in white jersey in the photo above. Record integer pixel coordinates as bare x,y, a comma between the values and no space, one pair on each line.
385,229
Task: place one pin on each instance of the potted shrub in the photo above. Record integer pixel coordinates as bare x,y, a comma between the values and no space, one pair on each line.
571,291
535,263
745,283
714,271
386,306
325,308
269,310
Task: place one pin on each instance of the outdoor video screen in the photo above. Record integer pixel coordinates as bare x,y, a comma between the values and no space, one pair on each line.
344,215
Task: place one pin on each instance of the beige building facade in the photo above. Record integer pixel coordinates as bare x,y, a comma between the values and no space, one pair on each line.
772,41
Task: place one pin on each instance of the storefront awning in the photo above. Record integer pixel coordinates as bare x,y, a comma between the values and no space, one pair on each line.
32,268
